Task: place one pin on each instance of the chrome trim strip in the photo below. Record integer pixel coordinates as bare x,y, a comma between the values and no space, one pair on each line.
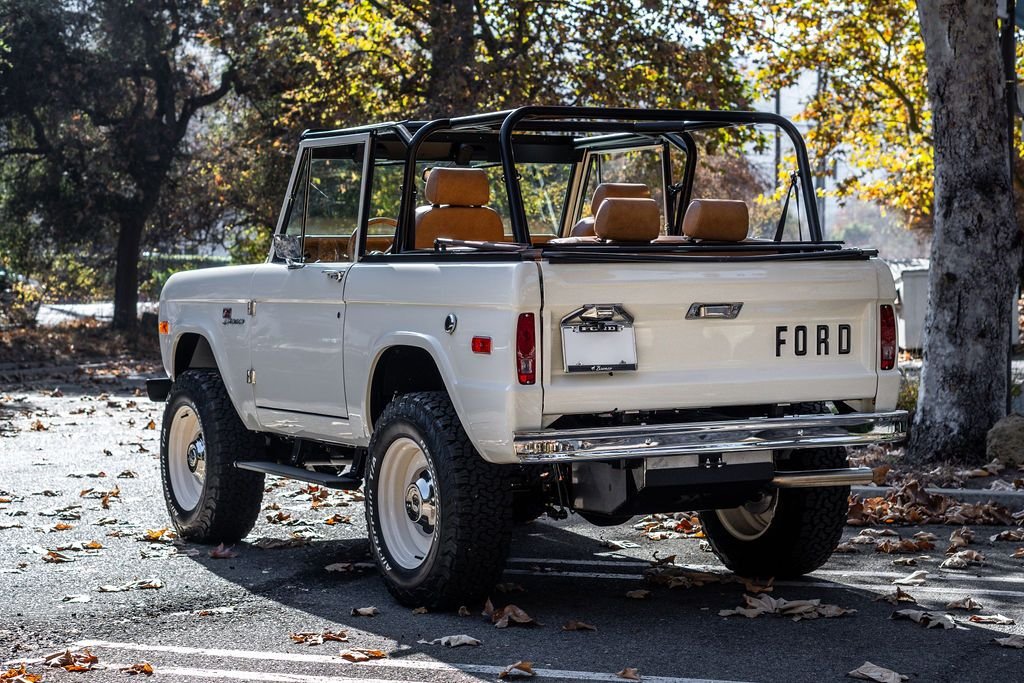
756,434
809,478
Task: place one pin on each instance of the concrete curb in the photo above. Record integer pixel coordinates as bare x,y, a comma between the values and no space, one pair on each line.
1014,500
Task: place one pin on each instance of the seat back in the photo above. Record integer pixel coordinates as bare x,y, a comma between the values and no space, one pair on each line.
585,227
458,198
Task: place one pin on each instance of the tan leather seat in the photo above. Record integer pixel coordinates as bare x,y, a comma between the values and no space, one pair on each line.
717,220
622,219
585,227
458,198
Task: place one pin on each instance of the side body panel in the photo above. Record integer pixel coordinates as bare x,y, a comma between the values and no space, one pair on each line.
395,304
212,303
296,341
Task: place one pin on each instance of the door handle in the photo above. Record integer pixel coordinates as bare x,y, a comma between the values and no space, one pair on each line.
334,274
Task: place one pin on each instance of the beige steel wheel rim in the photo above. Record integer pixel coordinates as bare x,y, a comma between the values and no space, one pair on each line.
408,510
186,458
750,521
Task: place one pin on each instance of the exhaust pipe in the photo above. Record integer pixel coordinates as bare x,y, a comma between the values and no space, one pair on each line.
847,476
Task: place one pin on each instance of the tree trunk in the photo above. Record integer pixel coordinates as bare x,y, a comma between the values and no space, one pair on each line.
975,246
450,86
126,273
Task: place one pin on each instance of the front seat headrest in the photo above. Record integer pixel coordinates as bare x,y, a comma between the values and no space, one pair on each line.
717,220
457,187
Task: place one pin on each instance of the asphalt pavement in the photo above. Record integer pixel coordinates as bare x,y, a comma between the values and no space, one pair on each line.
199,618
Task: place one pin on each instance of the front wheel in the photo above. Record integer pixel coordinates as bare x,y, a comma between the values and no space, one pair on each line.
788,532
209,500
439,516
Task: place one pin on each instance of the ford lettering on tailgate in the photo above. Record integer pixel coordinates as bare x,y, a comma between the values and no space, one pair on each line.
821,340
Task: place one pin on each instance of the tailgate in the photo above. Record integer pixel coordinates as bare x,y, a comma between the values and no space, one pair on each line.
805,331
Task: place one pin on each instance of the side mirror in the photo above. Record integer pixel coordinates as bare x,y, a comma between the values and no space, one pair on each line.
289,247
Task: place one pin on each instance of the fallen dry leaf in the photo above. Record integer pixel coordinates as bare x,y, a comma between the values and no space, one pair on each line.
1018,554
56,558
162,535
896,598
925,536
61,526
319,637
1015,641
223,553
576,625
904,562
267,543
463,611
360,654
904,545
151,425
926,619
138,668
19,675
639,594
963,559
846,548
797,609
142,584
338,519
38,426
420,610
76,598
518,669
914,579
967,604
1009,535
872,672
365,611
453,641
629,673
79,660
507,615
991,619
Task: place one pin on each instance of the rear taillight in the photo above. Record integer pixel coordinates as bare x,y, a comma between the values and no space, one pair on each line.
526,349
887,337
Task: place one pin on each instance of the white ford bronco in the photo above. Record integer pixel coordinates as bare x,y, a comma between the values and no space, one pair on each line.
602,312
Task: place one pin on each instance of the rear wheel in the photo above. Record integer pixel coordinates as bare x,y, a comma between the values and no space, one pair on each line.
439,516
209,500
788,532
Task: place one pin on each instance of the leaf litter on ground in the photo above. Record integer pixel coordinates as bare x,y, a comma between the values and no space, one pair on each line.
758,605
319,637
518,670
508,615
872,672
362,654
926,619
452,641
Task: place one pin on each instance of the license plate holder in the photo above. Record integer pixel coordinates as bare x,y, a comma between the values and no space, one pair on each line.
598,338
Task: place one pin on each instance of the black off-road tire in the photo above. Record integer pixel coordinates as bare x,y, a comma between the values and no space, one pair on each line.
806,528
474,500
230,501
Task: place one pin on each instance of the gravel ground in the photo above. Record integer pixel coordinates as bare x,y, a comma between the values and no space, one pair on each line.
230,619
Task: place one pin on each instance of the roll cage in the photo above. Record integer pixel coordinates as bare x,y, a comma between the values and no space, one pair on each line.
528,130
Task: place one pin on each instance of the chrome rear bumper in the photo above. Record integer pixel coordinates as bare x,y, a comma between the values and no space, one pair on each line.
695,438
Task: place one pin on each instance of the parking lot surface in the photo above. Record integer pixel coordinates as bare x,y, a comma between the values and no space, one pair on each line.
79,468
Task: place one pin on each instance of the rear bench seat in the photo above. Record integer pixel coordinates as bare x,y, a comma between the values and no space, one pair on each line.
634,220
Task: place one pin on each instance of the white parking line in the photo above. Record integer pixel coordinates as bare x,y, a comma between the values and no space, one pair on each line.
410,664
190,673
938,574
